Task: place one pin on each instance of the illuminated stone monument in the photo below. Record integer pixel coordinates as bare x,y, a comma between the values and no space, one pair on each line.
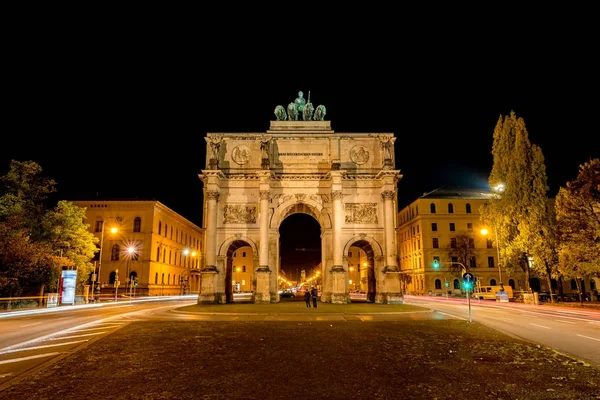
345,181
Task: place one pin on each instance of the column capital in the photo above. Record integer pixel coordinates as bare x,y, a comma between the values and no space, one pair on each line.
212,195
337,195
264,194
387,195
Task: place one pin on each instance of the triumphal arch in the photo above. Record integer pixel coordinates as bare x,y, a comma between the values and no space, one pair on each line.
346,181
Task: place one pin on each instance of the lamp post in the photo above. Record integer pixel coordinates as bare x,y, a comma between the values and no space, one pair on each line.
484,232
113,230
131,252
185,276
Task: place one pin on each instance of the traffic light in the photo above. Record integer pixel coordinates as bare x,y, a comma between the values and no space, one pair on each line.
135,282
468,285
436,264
447,283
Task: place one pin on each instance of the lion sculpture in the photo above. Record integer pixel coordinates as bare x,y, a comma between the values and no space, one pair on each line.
292,112
280,113
307,112
320,113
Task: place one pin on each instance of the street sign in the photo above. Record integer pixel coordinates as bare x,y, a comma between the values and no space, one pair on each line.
468,277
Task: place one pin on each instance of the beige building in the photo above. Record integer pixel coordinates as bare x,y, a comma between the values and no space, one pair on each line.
444,226
146,241
242,269
358,270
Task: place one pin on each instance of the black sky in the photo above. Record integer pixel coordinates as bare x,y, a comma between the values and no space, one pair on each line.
124,115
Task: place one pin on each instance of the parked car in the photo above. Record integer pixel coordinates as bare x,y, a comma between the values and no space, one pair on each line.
287,294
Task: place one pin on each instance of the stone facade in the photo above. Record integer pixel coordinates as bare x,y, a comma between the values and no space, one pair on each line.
427,229
345,181
159,237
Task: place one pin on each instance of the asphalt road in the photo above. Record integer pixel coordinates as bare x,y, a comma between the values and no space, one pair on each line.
569,330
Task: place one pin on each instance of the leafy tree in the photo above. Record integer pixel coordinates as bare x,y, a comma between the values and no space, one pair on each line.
519,211
578,218
34,241
463,252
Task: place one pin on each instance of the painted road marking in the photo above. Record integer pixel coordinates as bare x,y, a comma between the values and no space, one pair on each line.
588,337
43,347
14,360
541,326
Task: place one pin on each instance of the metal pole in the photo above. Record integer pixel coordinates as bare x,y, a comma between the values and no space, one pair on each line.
469,301
100,257
498,250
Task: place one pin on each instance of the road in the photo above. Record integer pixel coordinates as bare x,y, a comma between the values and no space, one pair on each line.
36,338
32,338
568,330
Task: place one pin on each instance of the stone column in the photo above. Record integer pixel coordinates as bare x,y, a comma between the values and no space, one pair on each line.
211,231
390,247
339,292
391,292
263,260
338,220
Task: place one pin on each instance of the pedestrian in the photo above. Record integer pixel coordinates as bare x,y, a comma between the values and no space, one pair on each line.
313,293
307,298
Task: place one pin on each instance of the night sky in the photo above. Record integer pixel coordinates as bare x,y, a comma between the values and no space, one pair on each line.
124,119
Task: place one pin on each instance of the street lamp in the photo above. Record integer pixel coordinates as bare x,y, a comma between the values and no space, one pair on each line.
484,232
131,252
186,269
113,230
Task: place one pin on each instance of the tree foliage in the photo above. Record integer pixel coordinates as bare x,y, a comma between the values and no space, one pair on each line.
520,211
35,242
578,218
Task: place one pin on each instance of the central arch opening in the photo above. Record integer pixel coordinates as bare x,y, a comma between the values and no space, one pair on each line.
300,255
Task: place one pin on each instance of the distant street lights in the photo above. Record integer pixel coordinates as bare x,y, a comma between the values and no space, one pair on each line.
113,230
185,277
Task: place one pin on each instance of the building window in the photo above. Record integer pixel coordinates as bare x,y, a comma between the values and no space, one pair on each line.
450,208
156,278
469,226
468,207
438,284
456,284
243,254
158,254
453,243
137,224
114,253
349,254
511,283
492,282
488,243
159,227
454,260
243,268
471,243
436,243
171,233
452,227
472,262
434,226
112,277
98,227
491,262
164,256
432,208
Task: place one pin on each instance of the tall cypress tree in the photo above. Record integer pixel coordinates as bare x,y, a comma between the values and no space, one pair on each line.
518,211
